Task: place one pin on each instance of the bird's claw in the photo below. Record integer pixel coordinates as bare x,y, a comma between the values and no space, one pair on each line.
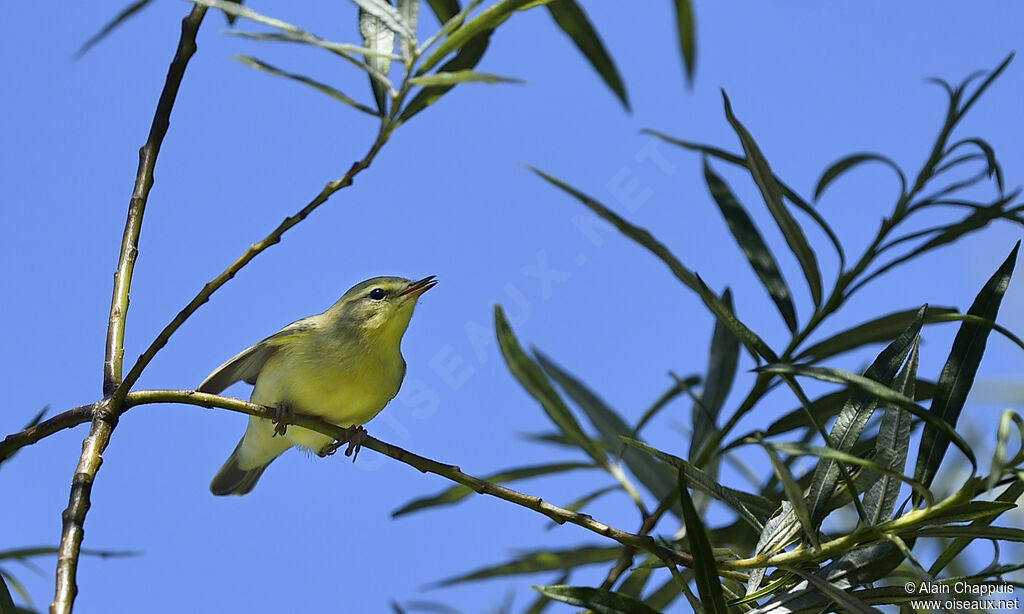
354,438
283,415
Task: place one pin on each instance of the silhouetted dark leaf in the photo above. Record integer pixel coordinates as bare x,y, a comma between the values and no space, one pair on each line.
573,21
596,599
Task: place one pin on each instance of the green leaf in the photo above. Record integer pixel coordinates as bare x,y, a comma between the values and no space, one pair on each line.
772,193
486,21
722,362
881,392
878,330
460,76
320,87
739,501
573,21
611,427
891,446
788,192
687,31
704,568
847,163
1012,493
843,599
794,493
409,10
466,59
6,601
387,15
754,344
994,170
109,27
752,244
598,600
855,414
957,375
444,9
379,37
542,560
999,462
533,380
459,492
970,531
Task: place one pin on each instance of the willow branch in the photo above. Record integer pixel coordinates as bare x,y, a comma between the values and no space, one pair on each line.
68,419
104,414
423,464
625,560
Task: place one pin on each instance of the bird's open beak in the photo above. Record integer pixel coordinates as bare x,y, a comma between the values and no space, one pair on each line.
417,288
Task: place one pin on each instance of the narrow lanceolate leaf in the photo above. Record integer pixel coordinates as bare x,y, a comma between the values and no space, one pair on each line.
740,502
1000,464
794,493
533,380
722,362
841,166
753,245
6,601
460,76
598,600
444,9
458,493
705,570
486,21
318,86
379,37
109,27
409,10
855,414
772,193
1012,494
844,600
957,375
573,21
466,59
687,31
388,15
891,447
652,474
881,392
757,347
879,330
542,560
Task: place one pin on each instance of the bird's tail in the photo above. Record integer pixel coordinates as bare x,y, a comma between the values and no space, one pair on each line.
232,479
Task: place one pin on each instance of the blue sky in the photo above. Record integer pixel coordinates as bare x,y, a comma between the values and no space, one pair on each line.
448,196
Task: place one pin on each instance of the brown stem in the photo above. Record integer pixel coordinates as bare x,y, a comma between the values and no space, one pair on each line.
104,414
625,560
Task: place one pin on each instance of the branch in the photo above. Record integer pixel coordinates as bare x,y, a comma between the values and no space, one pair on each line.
425,465
560,515
104,414
71,418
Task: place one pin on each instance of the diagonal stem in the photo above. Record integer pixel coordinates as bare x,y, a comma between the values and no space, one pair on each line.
104,414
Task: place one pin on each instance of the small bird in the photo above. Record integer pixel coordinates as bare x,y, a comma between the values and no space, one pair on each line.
342,365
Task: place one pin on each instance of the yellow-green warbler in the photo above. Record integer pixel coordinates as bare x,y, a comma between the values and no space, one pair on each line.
342,365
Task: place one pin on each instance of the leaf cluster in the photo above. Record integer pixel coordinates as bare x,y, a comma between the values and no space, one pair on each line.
835,536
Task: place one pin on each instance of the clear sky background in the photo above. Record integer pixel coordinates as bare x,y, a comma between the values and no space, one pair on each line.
448,196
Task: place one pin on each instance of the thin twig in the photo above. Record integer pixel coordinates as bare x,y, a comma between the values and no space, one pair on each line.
425,465
104,414
71,418
625,560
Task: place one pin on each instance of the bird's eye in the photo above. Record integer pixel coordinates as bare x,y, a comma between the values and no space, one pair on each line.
378,294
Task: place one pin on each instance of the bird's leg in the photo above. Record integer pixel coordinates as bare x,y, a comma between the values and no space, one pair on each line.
282,417
354,437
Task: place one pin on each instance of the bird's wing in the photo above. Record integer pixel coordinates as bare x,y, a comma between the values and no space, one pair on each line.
247,364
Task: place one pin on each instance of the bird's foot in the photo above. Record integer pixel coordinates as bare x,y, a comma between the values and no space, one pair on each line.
283,416
354,438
